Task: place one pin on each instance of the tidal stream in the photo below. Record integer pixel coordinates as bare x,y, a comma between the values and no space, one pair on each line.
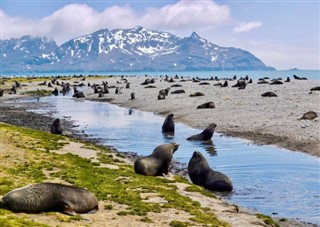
266,179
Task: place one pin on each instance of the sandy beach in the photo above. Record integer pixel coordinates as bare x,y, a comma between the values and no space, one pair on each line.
241,113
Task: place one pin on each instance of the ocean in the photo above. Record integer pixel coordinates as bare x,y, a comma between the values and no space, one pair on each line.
272,74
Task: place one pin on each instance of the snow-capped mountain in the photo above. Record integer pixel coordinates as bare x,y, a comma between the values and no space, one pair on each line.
134,49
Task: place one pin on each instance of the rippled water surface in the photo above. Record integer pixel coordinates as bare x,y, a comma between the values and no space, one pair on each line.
266,179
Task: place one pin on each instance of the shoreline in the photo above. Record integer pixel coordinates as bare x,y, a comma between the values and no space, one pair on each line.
124,96
224,210
238,113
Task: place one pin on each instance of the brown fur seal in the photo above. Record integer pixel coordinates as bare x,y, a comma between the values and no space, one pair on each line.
201,174
310,115
42,197
196,94
168,124
156,164
206,134
207,105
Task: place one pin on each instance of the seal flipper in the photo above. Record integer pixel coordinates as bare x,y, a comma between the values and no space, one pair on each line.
65,208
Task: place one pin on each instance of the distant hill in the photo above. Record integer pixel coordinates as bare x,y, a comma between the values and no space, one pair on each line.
135,49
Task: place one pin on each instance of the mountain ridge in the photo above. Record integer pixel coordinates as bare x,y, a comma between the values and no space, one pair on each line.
133,49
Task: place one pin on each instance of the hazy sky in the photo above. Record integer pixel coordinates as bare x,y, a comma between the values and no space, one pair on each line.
283,34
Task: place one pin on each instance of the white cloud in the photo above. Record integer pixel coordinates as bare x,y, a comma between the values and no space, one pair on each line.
74,20
245,27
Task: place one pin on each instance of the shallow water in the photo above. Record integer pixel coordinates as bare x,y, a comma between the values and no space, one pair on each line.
267,179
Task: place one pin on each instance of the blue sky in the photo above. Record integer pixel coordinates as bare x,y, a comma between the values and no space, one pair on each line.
283,34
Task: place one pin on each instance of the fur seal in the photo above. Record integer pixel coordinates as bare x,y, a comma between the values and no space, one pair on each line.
204,83
196,94
78,94
56,127
310,115
276,82
201,174
206,105
178,91
269,94
206,134
168,124
156,164
43,197
315,88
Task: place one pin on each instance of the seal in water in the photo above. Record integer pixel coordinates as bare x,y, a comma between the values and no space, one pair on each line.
206,134
156,164
201,174
168,124
42,197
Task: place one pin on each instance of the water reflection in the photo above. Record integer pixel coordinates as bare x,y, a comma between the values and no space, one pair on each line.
265,178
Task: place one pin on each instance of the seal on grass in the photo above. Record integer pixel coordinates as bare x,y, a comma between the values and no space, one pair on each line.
156,164
201,174
206,134
168,124
43,197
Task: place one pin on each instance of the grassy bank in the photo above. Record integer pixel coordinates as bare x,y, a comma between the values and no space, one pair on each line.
30,156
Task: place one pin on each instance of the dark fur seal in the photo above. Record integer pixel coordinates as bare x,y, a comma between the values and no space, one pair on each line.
207,105
310,115
56,127
156,164
206,134
315,88
168,124
50,197
201,174
269,94
178,91
196,94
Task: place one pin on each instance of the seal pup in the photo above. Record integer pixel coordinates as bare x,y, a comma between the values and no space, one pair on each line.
206,134
310,115
201,174
156,164
43,197
168,124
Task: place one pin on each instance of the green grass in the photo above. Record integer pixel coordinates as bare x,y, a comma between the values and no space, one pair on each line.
121,186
